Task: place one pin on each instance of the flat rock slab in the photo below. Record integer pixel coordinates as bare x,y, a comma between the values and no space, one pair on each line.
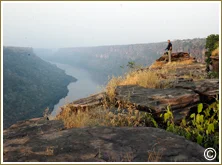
156,100
90,101
39,141
207,88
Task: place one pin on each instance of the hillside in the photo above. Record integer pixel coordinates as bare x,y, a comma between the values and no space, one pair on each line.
30,85
167,112
104,61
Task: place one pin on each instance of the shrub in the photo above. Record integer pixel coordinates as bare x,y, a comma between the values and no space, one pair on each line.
202,127
212,43
105,117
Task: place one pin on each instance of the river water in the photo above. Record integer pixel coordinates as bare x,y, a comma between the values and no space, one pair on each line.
83,87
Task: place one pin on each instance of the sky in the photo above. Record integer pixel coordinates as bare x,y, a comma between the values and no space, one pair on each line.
80,24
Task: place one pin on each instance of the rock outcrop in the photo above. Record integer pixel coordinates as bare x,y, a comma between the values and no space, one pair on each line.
183,97
179,56
41,140
156,101
182,94
215,63
208,89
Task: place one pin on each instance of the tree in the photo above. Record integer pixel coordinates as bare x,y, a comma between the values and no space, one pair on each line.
212,42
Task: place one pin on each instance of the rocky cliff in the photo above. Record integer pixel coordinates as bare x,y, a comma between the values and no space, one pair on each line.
106,60
103,132
30,85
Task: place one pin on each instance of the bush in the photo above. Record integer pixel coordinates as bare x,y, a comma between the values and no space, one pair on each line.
201,127
101,116
212,43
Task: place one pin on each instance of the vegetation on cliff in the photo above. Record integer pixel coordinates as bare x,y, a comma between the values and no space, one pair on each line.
212,47
30,85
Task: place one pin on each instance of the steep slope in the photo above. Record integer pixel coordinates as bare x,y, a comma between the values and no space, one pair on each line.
103,61
30,85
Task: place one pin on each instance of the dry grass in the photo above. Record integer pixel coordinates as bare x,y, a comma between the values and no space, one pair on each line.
147,79
162,64
101,117
49,150
179,63
154,156
111,86
79,118
215,52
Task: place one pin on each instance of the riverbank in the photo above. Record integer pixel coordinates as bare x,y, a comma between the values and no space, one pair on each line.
83,87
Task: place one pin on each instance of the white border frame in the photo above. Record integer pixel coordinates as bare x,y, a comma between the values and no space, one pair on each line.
2,4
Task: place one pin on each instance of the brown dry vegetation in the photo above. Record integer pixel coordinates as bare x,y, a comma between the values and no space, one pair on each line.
147,79
100,116
215,52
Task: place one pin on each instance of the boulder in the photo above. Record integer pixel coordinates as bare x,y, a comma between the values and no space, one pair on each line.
208,89
91,101
86,103
42,140
179,56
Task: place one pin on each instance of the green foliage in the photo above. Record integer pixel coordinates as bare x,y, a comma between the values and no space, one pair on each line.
131,64
202,127
213,74
29,84
149,118
212,42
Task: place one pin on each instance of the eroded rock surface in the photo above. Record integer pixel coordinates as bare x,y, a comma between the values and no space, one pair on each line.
208,89
179,56
215,63
156,100
43,140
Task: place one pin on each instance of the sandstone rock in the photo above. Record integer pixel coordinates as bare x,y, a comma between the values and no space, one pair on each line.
88,102
215,63
195,70
42,140
156,100
208,89
180,56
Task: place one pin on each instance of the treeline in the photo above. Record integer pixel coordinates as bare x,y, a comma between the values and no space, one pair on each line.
30,85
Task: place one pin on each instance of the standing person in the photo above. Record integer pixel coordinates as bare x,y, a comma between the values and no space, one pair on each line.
169,48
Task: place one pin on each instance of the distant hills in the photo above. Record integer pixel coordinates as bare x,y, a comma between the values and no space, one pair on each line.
104,61
30,85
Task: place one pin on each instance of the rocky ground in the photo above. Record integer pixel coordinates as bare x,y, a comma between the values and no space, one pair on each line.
48,141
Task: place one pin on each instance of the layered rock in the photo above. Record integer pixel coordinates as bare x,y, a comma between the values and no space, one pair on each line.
215,63
208,89
156,101
183,97
179,56
41,140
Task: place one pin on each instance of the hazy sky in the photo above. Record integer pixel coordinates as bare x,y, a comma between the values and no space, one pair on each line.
74,24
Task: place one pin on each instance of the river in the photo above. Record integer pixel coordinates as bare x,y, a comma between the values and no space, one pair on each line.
83,87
